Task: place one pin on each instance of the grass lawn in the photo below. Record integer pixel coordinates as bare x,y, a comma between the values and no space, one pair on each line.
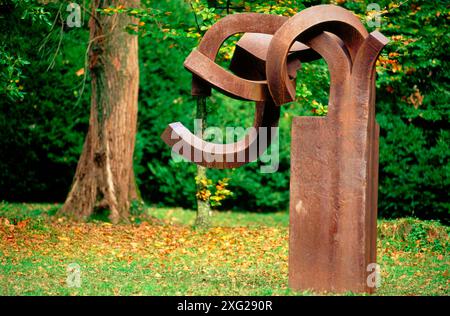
160,254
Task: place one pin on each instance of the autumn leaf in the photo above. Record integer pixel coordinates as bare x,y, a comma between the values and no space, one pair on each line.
23,224
80,72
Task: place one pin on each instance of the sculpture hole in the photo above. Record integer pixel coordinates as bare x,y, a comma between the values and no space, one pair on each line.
312,92
226,50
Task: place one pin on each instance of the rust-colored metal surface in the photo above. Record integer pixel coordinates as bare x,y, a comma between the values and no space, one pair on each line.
334,159
207,74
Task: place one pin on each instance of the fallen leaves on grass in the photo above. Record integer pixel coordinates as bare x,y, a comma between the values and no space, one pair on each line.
239,255
161,259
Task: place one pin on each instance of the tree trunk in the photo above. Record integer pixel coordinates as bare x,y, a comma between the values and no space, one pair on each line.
203,219
104,177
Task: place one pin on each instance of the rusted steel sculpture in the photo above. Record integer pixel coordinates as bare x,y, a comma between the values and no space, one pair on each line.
334,159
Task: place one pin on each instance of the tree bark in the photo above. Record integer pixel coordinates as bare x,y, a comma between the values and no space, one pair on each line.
203,219
104,178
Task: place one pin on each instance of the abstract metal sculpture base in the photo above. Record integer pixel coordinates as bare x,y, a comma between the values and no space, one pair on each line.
334,159
332,238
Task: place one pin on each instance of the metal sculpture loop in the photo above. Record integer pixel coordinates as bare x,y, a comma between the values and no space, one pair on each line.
333,217
271,63
207,74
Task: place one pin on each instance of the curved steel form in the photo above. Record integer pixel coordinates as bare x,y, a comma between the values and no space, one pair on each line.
334,159
207,74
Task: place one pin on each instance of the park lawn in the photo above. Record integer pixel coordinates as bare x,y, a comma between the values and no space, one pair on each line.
160,254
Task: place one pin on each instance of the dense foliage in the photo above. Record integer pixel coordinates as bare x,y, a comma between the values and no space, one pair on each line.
44,102
43,120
